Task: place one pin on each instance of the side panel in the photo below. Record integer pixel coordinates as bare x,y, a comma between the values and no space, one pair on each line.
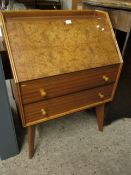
8,142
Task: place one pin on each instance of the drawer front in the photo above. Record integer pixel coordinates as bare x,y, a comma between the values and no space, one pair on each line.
60,105
37,90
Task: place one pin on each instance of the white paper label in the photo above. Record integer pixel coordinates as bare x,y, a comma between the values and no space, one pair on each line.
68,21
0,32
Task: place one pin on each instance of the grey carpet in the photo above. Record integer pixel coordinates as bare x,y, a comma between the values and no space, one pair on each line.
73,145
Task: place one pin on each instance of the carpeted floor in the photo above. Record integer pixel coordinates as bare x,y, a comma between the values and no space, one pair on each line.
73,145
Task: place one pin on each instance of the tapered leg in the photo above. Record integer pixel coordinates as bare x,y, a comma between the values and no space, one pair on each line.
31,138
100,116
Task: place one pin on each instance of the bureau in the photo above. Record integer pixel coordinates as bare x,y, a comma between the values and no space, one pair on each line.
62,62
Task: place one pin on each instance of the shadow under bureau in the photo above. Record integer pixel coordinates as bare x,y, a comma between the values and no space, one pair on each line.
62,62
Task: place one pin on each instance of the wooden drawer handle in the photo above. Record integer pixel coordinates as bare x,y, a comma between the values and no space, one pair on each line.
100,95
43,111
42,92
105,78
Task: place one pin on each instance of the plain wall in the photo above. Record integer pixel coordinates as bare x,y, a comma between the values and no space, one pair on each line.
66,4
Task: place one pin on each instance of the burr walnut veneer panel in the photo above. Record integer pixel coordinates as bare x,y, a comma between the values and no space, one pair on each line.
46,45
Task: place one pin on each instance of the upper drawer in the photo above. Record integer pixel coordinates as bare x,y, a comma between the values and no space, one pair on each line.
36,90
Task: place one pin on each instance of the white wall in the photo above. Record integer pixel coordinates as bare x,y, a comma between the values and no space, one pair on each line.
67,4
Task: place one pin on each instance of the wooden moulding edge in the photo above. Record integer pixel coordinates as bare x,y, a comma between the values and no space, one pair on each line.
119,54
114,38
117,79
50,13
9,49
20,105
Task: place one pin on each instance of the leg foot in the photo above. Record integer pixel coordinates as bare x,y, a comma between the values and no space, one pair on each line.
31,138
100,116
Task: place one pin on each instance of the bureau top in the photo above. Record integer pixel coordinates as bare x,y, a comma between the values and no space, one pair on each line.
48,43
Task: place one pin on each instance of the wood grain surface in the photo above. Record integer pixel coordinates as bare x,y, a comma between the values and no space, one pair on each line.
42,45
67,83
58,106
100,116
31,140
121,4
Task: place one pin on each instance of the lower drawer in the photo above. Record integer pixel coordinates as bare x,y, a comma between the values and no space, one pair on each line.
66,104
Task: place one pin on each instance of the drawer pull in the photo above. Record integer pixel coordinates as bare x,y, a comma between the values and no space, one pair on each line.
100,95
105,78
43,111
42,92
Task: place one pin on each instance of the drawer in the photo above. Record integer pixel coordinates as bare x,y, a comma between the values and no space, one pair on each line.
65,104
37,90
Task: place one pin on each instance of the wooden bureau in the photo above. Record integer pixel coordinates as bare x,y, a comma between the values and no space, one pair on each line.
62,62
